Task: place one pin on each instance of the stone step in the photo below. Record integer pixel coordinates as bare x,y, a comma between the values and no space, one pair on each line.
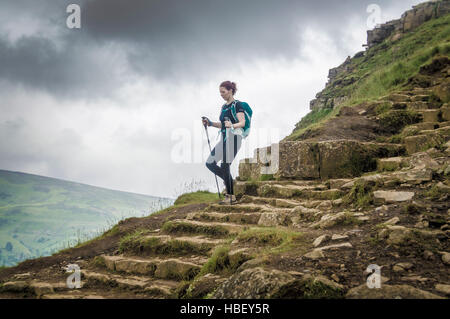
71,296
422,126
162,288
297,192
238,207
238,218
283,205
284,182
420,105
443,124
421,160
420,91
34,287
160,244
211,229
444,131
445,112
427,139
412,130
396,97
412,175
429,115
313,183
275,202
421,98
161,268
391,163
251,188
408,176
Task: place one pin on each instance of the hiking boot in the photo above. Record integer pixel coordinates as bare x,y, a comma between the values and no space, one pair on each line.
226,200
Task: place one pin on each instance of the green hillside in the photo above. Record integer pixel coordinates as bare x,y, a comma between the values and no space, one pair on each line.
384,68
41,215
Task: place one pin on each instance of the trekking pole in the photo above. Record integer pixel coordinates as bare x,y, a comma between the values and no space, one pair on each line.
210,151
229,166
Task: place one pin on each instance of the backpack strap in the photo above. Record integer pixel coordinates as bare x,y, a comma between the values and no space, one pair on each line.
233,110
233,114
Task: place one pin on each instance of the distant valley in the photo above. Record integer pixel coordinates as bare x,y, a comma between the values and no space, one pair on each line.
40,215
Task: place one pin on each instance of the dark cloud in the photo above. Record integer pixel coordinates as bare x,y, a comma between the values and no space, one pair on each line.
71,72
182,40
170,40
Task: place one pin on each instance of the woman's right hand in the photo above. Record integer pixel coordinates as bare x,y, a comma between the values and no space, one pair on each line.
206,121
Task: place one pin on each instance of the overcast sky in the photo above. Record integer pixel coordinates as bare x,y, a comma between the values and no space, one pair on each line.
118,102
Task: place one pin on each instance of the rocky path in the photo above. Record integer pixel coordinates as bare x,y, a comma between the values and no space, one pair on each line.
291,238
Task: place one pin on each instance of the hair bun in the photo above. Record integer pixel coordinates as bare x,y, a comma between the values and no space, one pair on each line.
229,86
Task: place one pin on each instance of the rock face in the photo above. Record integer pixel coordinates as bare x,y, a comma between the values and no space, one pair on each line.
410,20
395,29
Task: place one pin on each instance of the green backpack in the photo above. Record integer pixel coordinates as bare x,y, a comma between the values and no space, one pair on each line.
245,131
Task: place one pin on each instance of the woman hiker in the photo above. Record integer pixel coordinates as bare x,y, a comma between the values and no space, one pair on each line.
231,139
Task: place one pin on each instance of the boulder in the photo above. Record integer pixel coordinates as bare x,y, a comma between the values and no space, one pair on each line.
274,219
392,221
423,160
381,197
398,234
321,239
337,237
260,283
445,256
442,288
200,287
253,283
335,246
308,214
414,176
310,287
330,220
400,267
314,254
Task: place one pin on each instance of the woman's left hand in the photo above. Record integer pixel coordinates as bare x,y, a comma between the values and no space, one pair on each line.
228,124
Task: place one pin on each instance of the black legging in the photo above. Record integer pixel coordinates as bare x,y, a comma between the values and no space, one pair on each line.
226,152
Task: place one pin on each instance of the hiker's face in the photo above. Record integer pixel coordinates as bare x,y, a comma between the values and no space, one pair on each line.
225,94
